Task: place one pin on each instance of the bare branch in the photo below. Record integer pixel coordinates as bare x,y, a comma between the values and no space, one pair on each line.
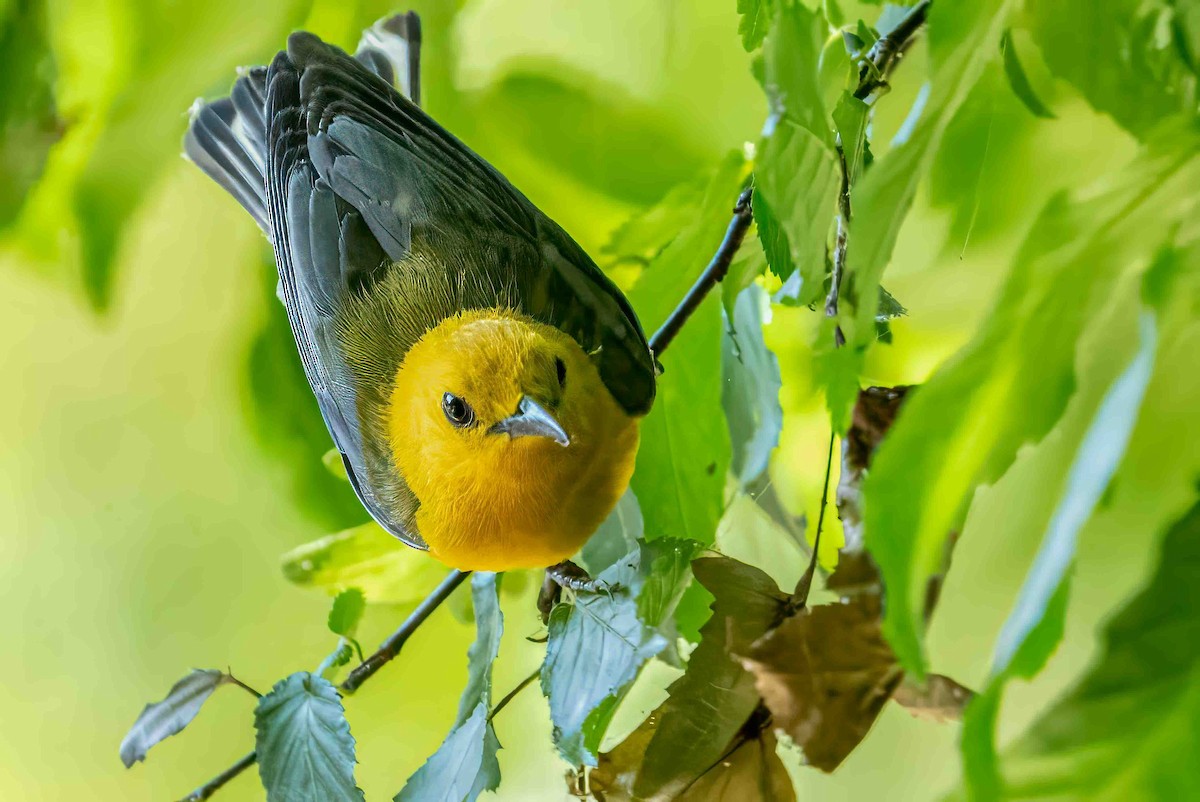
710,278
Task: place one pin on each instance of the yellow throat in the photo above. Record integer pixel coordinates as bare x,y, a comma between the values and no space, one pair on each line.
490,499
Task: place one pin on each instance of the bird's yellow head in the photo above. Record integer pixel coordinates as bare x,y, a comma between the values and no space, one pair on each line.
505,433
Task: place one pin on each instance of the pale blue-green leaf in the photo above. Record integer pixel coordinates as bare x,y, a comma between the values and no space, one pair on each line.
616,537
1116,55
465,764
599,641
304,746
750,393
1091,471
163,719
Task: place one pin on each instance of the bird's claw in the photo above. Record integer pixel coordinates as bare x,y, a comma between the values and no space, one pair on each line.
567,574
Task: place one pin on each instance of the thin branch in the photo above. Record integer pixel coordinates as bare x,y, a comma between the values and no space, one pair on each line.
216,783
712,275
242,685
800,595
710,278
882,58
840,245
391,647
888,50
508,697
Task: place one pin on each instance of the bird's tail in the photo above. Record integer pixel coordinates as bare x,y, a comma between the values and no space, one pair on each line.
227,138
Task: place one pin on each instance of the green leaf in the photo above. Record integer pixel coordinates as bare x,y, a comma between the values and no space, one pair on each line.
305,750
160,720
366,558
750,389
684,452
644,236
1019,82
347,611
746,268
850,117
773,239
598,642
1011,383
591,129
963,37
756,18
1092,470
1018,651
616,537
333,462
712,701
980,772
1114,53
29,124
465,764
790,58
796,171
1128,729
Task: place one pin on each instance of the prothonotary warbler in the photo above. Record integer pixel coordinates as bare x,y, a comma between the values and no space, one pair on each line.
480,375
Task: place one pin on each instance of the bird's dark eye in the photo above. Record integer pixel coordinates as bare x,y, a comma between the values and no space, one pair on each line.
457,411
561,367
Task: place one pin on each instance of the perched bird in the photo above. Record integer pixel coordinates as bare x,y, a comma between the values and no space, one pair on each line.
480,375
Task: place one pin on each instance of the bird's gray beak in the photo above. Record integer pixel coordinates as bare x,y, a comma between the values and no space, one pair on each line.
532,419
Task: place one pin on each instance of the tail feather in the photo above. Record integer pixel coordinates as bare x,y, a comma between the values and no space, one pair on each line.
227,138
391,48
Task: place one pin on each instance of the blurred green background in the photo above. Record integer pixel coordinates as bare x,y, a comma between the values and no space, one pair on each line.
156,464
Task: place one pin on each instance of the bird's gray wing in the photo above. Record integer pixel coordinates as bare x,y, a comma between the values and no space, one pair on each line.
325,250
412,181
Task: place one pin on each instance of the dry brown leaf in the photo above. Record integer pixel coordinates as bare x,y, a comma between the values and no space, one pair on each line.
752,771
711,703
942,699
825,674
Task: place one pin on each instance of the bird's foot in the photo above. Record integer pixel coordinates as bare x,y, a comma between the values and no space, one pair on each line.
567,574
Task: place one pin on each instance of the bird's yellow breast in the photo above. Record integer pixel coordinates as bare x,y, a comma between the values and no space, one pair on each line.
488,502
